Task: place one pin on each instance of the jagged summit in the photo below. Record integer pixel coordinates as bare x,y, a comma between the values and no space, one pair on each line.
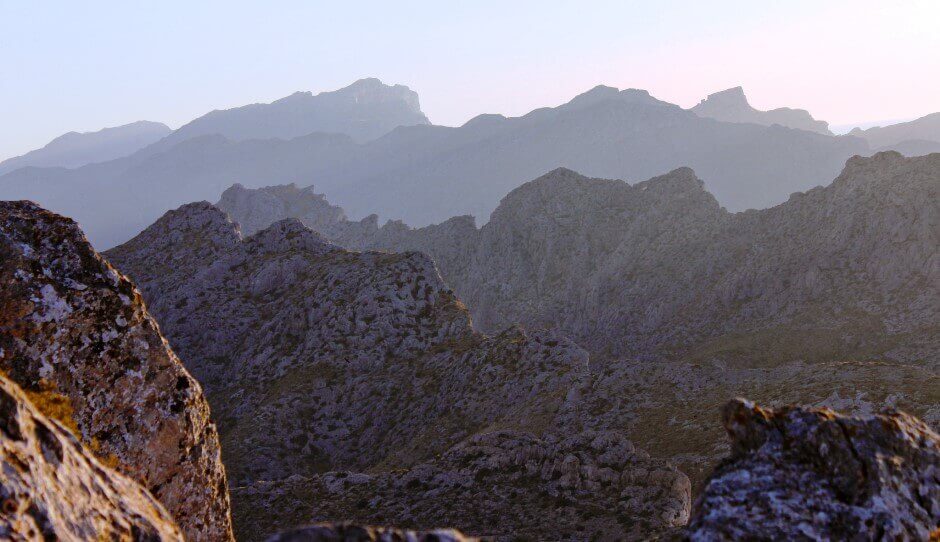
731,105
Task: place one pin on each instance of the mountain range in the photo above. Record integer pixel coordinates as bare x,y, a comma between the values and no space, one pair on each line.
661,269
75,149
351,386
679,304
424,173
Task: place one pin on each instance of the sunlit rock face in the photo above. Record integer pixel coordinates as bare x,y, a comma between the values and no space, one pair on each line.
54,488
798,473
72,324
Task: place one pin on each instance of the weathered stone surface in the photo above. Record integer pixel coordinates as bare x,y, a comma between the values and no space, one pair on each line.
70,323
797,473
345,532
505,485
53,488
319,359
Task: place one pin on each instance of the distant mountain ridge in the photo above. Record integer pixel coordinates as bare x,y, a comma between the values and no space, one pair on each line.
924,129
424,174
732,106
75,149
364,110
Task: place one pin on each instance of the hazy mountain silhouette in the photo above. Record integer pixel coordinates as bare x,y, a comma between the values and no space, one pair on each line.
731,106
926,128
424,173
364,110
76,149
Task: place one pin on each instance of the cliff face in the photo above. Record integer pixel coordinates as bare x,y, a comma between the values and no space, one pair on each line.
54,488
73,326
319,360
811,473
731,106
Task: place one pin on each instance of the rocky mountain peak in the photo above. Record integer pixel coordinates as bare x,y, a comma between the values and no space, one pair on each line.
286,235
731,105
258,208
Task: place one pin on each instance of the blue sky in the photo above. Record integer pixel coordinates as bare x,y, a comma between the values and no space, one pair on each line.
86,65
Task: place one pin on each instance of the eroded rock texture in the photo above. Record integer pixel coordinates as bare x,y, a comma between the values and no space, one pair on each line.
345,532
505,484
53,488
71,324
318,360
798,474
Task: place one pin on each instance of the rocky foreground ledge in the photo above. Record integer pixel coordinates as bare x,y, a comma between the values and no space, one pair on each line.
344,532
812,474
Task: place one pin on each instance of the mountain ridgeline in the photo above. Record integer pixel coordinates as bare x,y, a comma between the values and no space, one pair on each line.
75,149
731,106
400,167
660,269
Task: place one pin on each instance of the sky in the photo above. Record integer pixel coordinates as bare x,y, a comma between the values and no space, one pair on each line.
82,66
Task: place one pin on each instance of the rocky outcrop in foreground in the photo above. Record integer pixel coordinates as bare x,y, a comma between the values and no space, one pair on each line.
797,473
320,361
344,532
53,488
76,331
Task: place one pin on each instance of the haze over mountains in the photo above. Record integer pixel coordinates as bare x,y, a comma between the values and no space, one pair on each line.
422,173
731,106
77,149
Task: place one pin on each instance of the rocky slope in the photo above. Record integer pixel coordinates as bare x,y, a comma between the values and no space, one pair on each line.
731,106
424,174
659,269
75,149
54,488
830,299
594,485
319,361
75,331
798,473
